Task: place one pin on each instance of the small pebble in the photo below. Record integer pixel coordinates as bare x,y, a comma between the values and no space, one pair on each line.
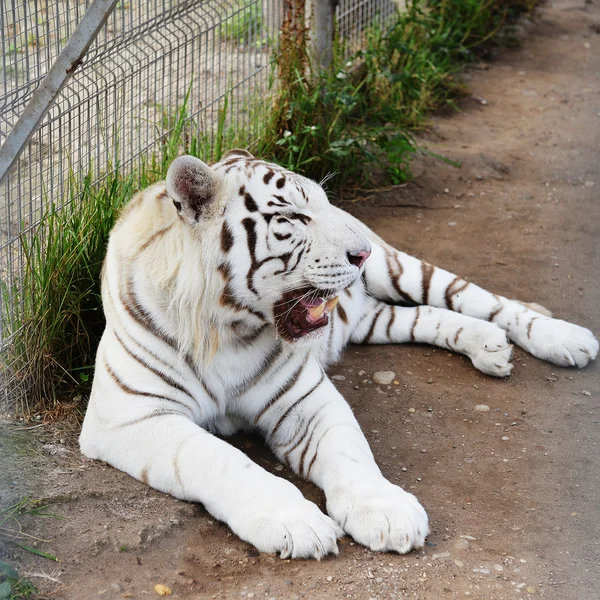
411,410
338,377
461,544
279,467
459,563
482,407
383,377
586,393
505,438
329,578
404,469
481,570
441,555
589,184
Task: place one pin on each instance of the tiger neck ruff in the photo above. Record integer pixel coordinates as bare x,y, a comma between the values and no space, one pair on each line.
227,292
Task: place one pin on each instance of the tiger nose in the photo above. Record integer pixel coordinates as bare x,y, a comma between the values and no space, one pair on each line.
358,258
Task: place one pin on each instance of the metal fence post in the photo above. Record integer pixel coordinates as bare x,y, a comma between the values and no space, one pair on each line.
322,30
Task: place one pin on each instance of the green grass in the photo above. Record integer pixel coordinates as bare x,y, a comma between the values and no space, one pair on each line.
14,586
351,125
245,24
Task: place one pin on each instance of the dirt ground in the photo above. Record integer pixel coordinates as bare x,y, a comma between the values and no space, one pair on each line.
516,517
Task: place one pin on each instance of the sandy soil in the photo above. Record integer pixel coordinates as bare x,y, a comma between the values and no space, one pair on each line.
510,518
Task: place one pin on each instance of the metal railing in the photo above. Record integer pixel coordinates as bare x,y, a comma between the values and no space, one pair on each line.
123,96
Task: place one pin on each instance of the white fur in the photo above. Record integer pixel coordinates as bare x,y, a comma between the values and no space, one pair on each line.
190,349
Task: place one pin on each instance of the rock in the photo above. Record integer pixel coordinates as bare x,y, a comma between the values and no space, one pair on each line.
383,377
459,563
530,589
505,438
55,450
411,410
482,570
482,407
338,377
586,393
162,590
470,538
441,555
461,544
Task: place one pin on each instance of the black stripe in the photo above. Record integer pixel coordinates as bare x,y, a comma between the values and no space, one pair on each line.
426,275
141,316
395,276
266,364
166,378
161,412
133,392
251,238
209,392
303,435
291,407
391,322
454,288
226,237
367,338
286,387
412,329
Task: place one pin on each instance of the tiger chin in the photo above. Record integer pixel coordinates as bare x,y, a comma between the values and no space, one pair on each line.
227,291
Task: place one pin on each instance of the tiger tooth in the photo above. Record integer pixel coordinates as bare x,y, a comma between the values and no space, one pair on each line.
331,304
316,312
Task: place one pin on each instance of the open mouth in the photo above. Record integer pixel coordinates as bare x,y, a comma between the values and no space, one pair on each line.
301,311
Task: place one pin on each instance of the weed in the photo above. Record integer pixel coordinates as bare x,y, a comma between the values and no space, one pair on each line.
13,586
245,25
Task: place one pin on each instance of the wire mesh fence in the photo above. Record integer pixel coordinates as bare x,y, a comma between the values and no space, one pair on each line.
150,59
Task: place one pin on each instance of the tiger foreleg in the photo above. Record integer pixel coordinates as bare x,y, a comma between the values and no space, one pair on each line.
484,343
175,456
397,278
318,436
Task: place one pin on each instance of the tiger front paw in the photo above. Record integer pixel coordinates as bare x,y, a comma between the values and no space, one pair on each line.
559,342
289,525
488,348
380,516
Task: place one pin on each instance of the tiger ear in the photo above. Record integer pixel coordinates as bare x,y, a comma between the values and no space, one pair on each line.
236,152
193,187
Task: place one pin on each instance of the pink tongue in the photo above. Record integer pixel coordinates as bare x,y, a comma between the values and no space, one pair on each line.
309,303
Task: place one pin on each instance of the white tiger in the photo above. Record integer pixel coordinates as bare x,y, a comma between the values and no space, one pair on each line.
227,292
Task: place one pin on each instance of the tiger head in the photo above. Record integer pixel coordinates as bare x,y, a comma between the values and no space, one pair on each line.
285,253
